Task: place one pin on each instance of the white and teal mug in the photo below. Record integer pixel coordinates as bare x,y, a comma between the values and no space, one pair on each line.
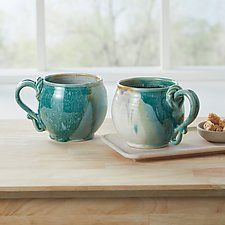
149,112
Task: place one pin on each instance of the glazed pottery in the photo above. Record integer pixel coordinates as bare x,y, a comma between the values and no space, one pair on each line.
149,113
71,106
211,136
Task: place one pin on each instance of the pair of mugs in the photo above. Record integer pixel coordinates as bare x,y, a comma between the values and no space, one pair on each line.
146,111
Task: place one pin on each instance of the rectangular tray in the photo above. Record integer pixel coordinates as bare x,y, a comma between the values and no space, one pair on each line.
191,145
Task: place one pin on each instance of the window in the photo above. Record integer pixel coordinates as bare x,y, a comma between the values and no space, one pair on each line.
197,33
132,36
102,33
17,34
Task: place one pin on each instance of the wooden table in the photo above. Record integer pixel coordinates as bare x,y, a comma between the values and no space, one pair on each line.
45,182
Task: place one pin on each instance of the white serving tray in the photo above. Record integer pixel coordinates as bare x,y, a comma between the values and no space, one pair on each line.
191,145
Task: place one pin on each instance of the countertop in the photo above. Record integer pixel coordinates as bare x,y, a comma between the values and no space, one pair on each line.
33,166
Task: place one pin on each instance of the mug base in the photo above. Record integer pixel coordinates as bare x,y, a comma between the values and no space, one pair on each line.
145,146
83,139
62,139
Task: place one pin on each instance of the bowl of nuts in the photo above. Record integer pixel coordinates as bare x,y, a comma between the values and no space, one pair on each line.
213,129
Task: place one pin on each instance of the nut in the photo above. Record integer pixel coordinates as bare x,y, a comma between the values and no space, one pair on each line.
215,119
222,123
218,128
208,125
214,123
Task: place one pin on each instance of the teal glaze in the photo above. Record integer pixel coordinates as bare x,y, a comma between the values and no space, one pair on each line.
149,112
71,106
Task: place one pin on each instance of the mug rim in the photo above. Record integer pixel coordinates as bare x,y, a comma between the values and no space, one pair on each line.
127,87
97,80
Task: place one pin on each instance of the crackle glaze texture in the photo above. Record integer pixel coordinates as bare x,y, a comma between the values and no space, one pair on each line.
146,115
72,111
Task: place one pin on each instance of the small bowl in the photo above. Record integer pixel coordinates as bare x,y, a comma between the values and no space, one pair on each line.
211,136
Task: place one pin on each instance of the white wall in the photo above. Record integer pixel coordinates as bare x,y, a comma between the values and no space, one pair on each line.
211,94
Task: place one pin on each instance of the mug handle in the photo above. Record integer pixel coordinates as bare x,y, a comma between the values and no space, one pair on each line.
37,86
175,98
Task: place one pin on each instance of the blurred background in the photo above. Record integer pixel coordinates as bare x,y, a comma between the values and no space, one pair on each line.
183,40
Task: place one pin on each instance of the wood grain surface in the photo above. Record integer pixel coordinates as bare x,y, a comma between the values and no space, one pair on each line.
43,182
33,166
131,211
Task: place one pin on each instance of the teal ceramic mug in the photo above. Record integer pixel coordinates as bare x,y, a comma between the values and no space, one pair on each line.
149,113
71,106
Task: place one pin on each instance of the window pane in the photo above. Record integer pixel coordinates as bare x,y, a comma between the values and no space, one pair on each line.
198,32
17,34
102,33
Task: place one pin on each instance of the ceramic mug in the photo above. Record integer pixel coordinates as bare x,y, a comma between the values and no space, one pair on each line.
71,106
149,112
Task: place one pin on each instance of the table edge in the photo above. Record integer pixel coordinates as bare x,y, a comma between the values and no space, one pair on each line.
113,191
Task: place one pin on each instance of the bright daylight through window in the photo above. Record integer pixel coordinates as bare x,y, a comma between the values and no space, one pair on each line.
111,33
197,32
17,34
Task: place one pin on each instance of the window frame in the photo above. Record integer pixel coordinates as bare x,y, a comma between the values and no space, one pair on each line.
113,74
